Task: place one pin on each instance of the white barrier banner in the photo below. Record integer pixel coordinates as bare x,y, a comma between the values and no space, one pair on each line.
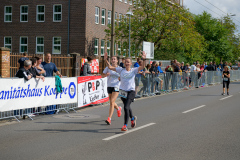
92,90
20,94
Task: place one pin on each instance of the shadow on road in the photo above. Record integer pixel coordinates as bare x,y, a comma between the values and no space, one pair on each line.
205,95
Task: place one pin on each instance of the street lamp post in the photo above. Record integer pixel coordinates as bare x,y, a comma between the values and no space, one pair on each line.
129,44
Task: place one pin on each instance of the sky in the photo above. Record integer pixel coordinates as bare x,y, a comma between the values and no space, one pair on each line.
223,7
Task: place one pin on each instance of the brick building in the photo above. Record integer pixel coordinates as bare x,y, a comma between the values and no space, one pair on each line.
57,26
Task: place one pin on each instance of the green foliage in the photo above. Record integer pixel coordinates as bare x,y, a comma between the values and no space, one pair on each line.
219,36
176,33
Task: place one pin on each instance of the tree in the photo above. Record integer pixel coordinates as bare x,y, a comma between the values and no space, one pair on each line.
169,26
219,36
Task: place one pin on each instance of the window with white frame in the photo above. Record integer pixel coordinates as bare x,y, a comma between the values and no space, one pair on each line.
102,47
109,17
40,45
8,14
97,15
108,47
115,47
119,49
57,13
120,18
56,45
8,42
23,44
130,2
125,1
23,13
40,13
96,46
103,16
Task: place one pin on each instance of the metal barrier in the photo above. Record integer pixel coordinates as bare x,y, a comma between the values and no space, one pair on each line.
153,84
148,85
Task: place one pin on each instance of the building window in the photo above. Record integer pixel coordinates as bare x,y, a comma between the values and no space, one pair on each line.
115,47
119,49
40,13
103,16
125,1
8,43
120,18
23,13
97,15
39,45
108,47
96,46
57,13
23,44
102,47
109,17
130,2
115,17
56,45
8,14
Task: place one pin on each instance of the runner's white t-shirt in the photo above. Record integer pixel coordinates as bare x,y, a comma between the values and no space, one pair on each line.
127,78
112,79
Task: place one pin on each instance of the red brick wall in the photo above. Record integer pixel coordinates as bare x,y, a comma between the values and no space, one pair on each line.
48,29
97,30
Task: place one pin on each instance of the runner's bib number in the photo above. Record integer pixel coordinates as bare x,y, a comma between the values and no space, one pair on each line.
225,79
123,93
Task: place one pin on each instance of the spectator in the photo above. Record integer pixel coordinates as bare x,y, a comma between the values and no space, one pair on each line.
215,66
87,71
193,67
137,63
122,63
49,66
210,67
160,71
138,78
221,65
183,67
144,80
205,65
33,70
197,62
23,72
160,68
154,72
22,59
39,66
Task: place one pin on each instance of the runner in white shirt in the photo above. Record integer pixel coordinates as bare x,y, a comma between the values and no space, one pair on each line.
113,84
127,87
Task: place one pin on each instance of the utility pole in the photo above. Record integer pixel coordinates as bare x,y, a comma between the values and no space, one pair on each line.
112,29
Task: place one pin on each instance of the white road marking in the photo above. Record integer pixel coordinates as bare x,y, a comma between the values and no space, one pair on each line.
129,131
193,109
226,97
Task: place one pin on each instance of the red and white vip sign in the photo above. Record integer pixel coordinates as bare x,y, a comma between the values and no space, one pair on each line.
94,65
92,90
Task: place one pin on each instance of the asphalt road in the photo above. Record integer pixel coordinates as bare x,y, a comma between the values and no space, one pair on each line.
191,125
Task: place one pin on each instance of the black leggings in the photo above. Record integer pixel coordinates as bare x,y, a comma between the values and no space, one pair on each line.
226,83
127,109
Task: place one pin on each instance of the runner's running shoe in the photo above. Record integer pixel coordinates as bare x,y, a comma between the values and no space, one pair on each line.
124,128
119,112
108,121
223,94
133,122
